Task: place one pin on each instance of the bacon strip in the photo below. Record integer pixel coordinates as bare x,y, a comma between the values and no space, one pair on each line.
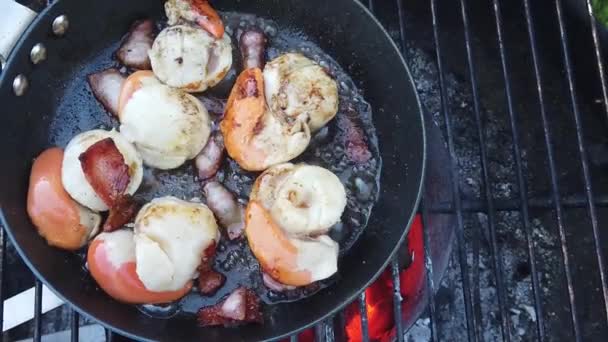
133,51
209,280
120,213
105,169
227,210
252,45
209,159
106,86
241,306
355,142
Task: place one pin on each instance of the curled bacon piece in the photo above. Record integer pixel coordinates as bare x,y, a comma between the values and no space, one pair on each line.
120,213
241,306
355,142
209,280
106,86
209,159
133,52
228,211
252,44
105,169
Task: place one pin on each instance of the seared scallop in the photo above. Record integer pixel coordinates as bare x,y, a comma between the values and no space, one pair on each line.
157,261
299,88
302,199
189,58
255,136
112,263
290,208
74,179
58,218
167,125
171,235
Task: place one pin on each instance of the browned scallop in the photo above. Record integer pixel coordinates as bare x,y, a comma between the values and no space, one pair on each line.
57,217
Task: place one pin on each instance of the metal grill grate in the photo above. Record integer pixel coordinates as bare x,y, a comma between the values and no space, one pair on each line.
459,205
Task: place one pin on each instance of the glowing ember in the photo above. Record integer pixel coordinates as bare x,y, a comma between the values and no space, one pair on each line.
379,296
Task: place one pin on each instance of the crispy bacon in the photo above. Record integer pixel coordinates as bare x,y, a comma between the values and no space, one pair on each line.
355,142
227,210
252,44
209,159
133,51
235,230
241,306
106,86
105,169
209,280
121,213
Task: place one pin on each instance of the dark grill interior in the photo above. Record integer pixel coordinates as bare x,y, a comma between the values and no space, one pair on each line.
515,92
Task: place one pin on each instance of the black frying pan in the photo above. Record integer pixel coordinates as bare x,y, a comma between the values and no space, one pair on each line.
344,29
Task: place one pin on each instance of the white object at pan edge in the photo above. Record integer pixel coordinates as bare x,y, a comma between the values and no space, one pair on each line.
20,308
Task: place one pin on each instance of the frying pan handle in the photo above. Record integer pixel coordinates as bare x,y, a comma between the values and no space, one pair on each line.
15,19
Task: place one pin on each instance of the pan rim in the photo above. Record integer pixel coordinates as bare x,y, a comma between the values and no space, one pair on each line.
43,15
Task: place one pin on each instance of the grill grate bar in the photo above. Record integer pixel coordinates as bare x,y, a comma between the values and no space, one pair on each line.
74,323
548,142
370,5
364,322
293,338
324,331
470,318
496,255
339,323
600,67
511,204
397,298
518,162
598,54
428,266
38,311
584,162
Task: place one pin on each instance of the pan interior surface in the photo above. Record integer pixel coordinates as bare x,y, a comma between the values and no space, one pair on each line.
363,50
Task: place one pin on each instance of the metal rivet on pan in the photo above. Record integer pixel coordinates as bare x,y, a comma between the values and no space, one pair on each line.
61,25
20,84
2,62
38,53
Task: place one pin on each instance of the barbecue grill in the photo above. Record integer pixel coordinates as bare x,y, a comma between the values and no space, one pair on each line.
517,100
